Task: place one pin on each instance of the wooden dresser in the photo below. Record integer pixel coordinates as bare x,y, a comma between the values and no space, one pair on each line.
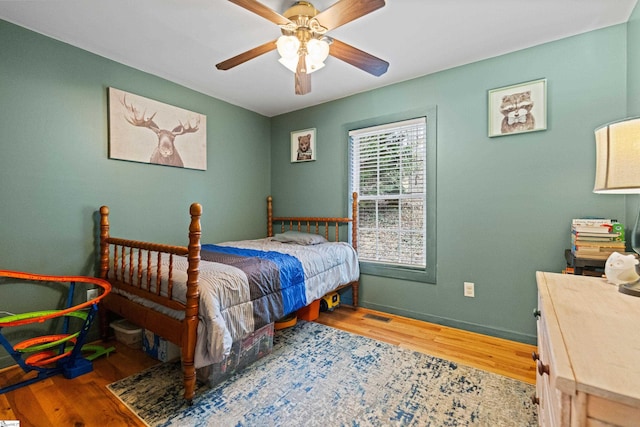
588,356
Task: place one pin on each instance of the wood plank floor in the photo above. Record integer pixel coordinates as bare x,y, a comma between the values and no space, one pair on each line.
85,401
504,357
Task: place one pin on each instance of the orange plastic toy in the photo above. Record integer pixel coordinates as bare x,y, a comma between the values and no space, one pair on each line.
60,353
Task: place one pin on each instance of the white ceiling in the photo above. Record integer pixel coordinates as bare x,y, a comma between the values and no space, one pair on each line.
182,40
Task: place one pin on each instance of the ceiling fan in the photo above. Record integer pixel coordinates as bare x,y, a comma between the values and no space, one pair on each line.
303,46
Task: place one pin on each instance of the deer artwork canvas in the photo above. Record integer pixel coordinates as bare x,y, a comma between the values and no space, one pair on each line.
148,131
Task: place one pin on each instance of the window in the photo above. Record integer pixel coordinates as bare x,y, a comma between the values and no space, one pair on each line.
390,171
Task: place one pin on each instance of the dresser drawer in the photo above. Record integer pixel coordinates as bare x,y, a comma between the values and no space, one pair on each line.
555,406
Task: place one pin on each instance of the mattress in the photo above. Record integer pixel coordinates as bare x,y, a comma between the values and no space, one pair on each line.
232,307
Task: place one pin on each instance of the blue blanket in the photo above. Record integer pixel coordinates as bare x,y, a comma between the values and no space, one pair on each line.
276,280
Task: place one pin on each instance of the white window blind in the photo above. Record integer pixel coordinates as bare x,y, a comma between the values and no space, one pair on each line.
388,170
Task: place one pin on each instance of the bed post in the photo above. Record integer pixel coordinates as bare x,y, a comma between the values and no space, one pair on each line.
104,246
193,299
104,267
269,216
354,243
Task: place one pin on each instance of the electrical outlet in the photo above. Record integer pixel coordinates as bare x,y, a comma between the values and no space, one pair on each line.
469,289
92,294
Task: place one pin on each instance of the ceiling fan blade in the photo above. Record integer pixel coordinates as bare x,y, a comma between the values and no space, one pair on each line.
262,10
303,84
346,11
303,80
358,58
245,56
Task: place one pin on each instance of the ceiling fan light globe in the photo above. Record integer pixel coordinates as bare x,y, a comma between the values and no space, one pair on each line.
291,63
288,46
318,50
313,66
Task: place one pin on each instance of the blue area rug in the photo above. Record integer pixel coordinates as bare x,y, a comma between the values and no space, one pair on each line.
321,376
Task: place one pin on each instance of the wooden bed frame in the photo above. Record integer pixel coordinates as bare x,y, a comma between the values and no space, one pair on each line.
114,251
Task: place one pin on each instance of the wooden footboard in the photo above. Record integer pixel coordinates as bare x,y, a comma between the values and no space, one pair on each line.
116,254
320,225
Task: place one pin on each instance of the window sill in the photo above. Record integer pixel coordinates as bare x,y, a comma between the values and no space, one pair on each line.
396,272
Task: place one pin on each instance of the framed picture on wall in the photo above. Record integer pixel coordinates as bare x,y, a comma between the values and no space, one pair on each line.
303,145
518,108
148,131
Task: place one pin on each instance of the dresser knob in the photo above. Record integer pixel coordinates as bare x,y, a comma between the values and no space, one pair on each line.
535,356
536,313
535,399
542,368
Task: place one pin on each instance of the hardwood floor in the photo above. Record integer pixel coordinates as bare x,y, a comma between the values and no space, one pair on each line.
504,357
82,401
85,401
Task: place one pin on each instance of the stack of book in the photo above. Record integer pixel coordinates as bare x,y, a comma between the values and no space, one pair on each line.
596,238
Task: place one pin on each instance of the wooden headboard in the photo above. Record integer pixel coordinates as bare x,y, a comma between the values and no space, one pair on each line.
315,224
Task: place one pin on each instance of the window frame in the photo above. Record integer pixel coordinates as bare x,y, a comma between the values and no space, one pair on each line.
427,274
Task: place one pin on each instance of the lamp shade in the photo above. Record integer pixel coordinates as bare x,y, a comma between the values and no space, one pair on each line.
618,157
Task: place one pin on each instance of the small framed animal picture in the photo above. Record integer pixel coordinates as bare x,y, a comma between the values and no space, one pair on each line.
303,145
518,108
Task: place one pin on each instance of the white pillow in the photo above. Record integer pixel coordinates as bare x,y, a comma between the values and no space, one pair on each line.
299,238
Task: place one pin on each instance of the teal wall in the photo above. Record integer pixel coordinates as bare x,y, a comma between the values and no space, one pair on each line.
504,204
633,63
55,172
